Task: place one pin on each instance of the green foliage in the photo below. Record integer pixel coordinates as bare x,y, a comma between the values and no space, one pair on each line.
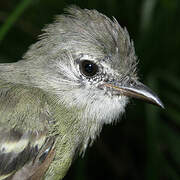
13,17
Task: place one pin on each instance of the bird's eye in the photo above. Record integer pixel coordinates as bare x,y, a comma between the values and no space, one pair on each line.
88,68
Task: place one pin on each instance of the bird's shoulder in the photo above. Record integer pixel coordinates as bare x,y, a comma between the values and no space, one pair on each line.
23,107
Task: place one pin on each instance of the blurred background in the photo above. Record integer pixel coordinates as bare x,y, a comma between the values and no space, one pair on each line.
145,143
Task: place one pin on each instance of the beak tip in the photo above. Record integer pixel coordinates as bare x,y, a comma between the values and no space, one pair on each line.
160,104
154,99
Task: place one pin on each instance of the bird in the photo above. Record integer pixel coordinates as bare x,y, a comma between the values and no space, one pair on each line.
78,76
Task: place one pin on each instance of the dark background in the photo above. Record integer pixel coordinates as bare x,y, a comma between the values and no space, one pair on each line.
145,144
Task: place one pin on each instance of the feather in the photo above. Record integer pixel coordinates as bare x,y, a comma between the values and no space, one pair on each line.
22,128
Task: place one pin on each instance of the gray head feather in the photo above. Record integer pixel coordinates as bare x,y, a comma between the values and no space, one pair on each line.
83,31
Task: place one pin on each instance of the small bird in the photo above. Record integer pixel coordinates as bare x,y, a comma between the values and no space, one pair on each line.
54,102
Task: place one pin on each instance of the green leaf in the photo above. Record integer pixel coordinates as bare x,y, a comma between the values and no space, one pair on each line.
13,17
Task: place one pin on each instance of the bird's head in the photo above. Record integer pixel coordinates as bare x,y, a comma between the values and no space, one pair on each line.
90,62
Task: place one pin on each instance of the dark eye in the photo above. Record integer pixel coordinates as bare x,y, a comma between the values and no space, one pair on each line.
88,68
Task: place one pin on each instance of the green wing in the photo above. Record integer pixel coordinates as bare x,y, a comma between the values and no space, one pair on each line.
24,123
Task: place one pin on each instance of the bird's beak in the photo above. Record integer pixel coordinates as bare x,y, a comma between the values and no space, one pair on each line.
137,90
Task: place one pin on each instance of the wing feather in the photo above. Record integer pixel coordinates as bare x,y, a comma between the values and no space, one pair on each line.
23,130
